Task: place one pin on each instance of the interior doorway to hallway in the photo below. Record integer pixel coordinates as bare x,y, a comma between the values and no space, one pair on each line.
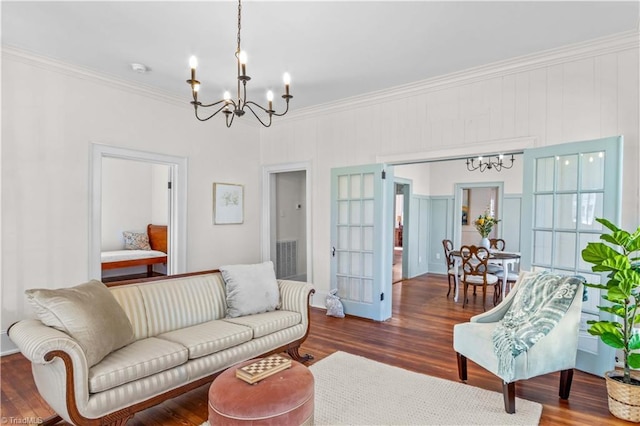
286,220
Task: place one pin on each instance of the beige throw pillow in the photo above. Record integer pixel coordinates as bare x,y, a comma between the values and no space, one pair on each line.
251,289
89,313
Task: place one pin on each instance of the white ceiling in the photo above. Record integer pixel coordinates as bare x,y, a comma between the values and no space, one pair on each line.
333,50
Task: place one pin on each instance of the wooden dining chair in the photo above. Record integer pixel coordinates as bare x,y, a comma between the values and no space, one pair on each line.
497,244
451,263
475,272
511,276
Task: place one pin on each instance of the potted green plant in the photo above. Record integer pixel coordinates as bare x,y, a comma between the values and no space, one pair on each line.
617,254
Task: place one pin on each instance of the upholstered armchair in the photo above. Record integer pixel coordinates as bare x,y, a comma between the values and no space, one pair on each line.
480,341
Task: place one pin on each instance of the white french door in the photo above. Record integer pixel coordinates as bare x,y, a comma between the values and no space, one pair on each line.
361,239
565,187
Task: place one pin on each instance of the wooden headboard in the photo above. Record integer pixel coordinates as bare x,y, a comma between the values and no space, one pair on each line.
157,237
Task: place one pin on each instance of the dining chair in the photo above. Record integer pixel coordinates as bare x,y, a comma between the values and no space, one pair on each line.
449,259
511,276
535,355
475,272
497,244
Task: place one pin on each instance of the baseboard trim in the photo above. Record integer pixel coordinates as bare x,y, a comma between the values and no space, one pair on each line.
6,345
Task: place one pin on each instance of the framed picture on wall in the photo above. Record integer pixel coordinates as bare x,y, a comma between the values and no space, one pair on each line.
228,203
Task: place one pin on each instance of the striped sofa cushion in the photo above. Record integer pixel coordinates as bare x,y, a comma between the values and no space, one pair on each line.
140,359
183,302
209,337
130,298
268,322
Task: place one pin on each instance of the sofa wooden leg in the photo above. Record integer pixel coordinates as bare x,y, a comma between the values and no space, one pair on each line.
295,355
509,394
462,366
566,377
50,421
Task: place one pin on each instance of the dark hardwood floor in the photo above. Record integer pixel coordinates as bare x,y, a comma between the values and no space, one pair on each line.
418,338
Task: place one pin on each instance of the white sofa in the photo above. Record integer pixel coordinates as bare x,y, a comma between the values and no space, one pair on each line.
182,339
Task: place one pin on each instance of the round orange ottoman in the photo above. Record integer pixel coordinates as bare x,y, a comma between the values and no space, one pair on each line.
285,398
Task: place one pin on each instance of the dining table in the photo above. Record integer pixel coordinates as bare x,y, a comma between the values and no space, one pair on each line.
506,259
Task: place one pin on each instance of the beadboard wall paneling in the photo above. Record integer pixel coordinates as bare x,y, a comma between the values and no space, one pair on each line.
584,92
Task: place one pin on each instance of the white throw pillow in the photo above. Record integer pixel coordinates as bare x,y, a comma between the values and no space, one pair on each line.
89,313
251,289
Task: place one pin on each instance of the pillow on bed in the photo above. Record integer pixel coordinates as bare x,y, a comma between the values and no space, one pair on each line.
251,289
136,241
89,313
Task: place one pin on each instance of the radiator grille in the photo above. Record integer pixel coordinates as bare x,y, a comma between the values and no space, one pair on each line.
286,259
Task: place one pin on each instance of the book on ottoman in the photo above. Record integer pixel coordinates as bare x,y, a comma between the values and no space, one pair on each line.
263,368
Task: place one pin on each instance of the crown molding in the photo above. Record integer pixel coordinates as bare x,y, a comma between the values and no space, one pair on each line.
77,71
627,40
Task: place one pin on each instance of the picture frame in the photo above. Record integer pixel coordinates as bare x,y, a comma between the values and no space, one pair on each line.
228,203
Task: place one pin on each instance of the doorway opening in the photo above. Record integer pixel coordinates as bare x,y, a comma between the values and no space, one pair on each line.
166,166
402,193
286,220
135,204
471,201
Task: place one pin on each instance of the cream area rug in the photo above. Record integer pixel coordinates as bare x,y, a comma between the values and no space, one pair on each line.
352,390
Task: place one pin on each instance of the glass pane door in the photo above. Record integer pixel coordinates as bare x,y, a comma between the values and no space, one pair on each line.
359,257
565,188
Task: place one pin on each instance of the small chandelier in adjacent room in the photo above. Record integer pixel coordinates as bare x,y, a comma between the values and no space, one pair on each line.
489,164
238,106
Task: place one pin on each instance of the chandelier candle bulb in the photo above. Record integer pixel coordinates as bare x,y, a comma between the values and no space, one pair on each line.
270,99
242,57
287,81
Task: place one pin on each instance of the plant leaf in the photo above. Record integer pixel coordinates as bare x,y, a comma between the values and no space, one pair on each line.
597,253
634,360
618,238
606,328
600,286
634,342
612,340
615,310
616,294
628,281
607,224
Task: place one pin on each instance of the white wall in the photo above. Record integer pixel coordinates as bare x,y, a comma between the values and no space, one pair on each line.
50,115
126,200
579,93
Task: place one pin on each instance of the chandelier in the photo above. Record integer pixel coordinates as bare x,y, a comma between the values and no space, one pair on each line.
238,106
498,164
